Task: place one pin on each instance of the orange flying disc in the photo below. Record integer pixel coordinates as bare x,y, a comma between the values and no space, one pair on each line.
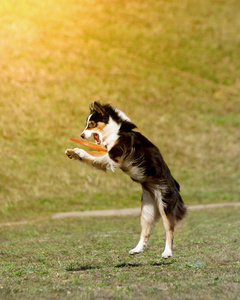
89,144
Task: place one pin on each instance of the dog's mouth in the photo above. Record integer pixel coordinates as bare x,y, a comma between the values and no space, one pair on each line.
96,138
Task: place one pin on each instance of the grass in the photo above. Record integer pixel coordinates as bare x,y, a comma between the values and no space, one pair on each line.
172,66
88,258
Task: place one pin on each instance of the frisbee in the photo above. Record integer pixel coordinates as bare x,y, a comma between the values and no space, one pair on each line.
89,144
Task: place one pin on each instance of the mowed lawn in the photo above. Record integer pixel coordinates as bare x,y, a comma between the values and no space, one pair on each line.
88,259
172,66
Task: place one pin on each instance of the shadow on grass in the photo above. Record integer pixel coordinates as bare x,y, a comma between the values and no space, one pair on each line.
124,265
82,268
72,268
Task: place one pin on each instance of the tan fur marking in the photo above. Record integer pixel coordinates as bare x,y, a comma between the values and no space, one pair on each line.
94,163
100,126
169,224
92,124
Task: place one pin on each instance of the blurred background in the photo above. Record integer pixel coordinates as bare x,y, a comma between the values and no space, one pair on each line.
172,66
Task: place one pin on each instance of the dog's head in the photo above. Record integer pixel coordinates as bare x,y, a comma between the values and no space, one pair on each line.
105,122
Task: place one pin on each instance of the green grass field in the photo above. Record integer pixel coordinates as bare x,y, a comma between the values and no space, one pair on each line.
88,259
173,67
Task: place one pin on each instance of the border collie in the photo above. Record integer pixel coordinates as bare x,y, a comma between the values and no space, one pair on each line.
136,156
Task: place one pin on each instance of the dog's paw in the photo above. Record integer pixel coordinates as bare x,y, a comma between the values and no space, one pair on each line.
70,153
135,251
138,249
167,254
73,153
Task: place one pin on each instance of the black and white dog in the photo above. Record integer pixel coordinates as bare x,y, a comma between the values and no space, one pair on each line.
142,161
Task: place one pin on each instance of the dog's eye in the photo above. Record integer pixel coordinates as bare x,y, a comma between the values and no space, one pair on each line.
91,124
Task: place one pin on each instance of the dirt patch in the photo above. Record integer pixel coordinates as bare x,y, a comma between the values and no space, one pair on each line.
115,212
129,211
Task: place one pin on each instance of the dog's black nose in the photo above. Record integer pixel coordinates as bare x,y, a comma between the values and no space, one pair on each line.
83,136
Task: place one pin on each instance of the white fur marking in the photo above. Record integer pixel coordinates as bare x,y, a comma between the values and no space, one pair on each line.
167,252
135,172
141,246
122,115
87,121
80,152
110,133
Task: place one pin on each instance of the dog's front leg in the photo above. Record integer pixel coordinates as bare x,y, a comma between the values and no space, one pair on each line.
100,162
74,154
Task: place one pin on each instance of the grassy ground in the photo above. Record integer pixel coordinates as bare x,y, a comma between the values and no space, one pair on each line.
172,66
88,258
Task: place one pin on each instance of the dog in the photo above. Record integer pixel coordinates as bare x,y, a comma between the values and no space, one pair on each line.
136,156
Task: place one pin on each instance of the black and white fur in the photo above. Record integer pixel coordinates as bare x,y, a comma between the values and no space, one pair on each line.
142,161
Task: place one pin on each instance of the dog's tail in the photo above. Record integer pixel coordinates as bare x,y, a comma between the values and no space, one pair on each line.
173,203
178,209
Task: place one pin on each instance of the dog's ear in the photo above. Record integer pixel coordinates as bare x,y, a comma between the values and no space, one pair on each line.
98,108
91,107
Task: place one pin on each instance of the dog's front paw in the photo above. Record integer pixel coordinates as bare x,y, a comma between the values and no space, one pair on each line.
73,154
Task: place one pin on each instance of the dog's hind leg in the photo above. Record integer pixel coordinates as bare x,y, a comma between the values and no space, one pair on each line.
149,214
169,224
